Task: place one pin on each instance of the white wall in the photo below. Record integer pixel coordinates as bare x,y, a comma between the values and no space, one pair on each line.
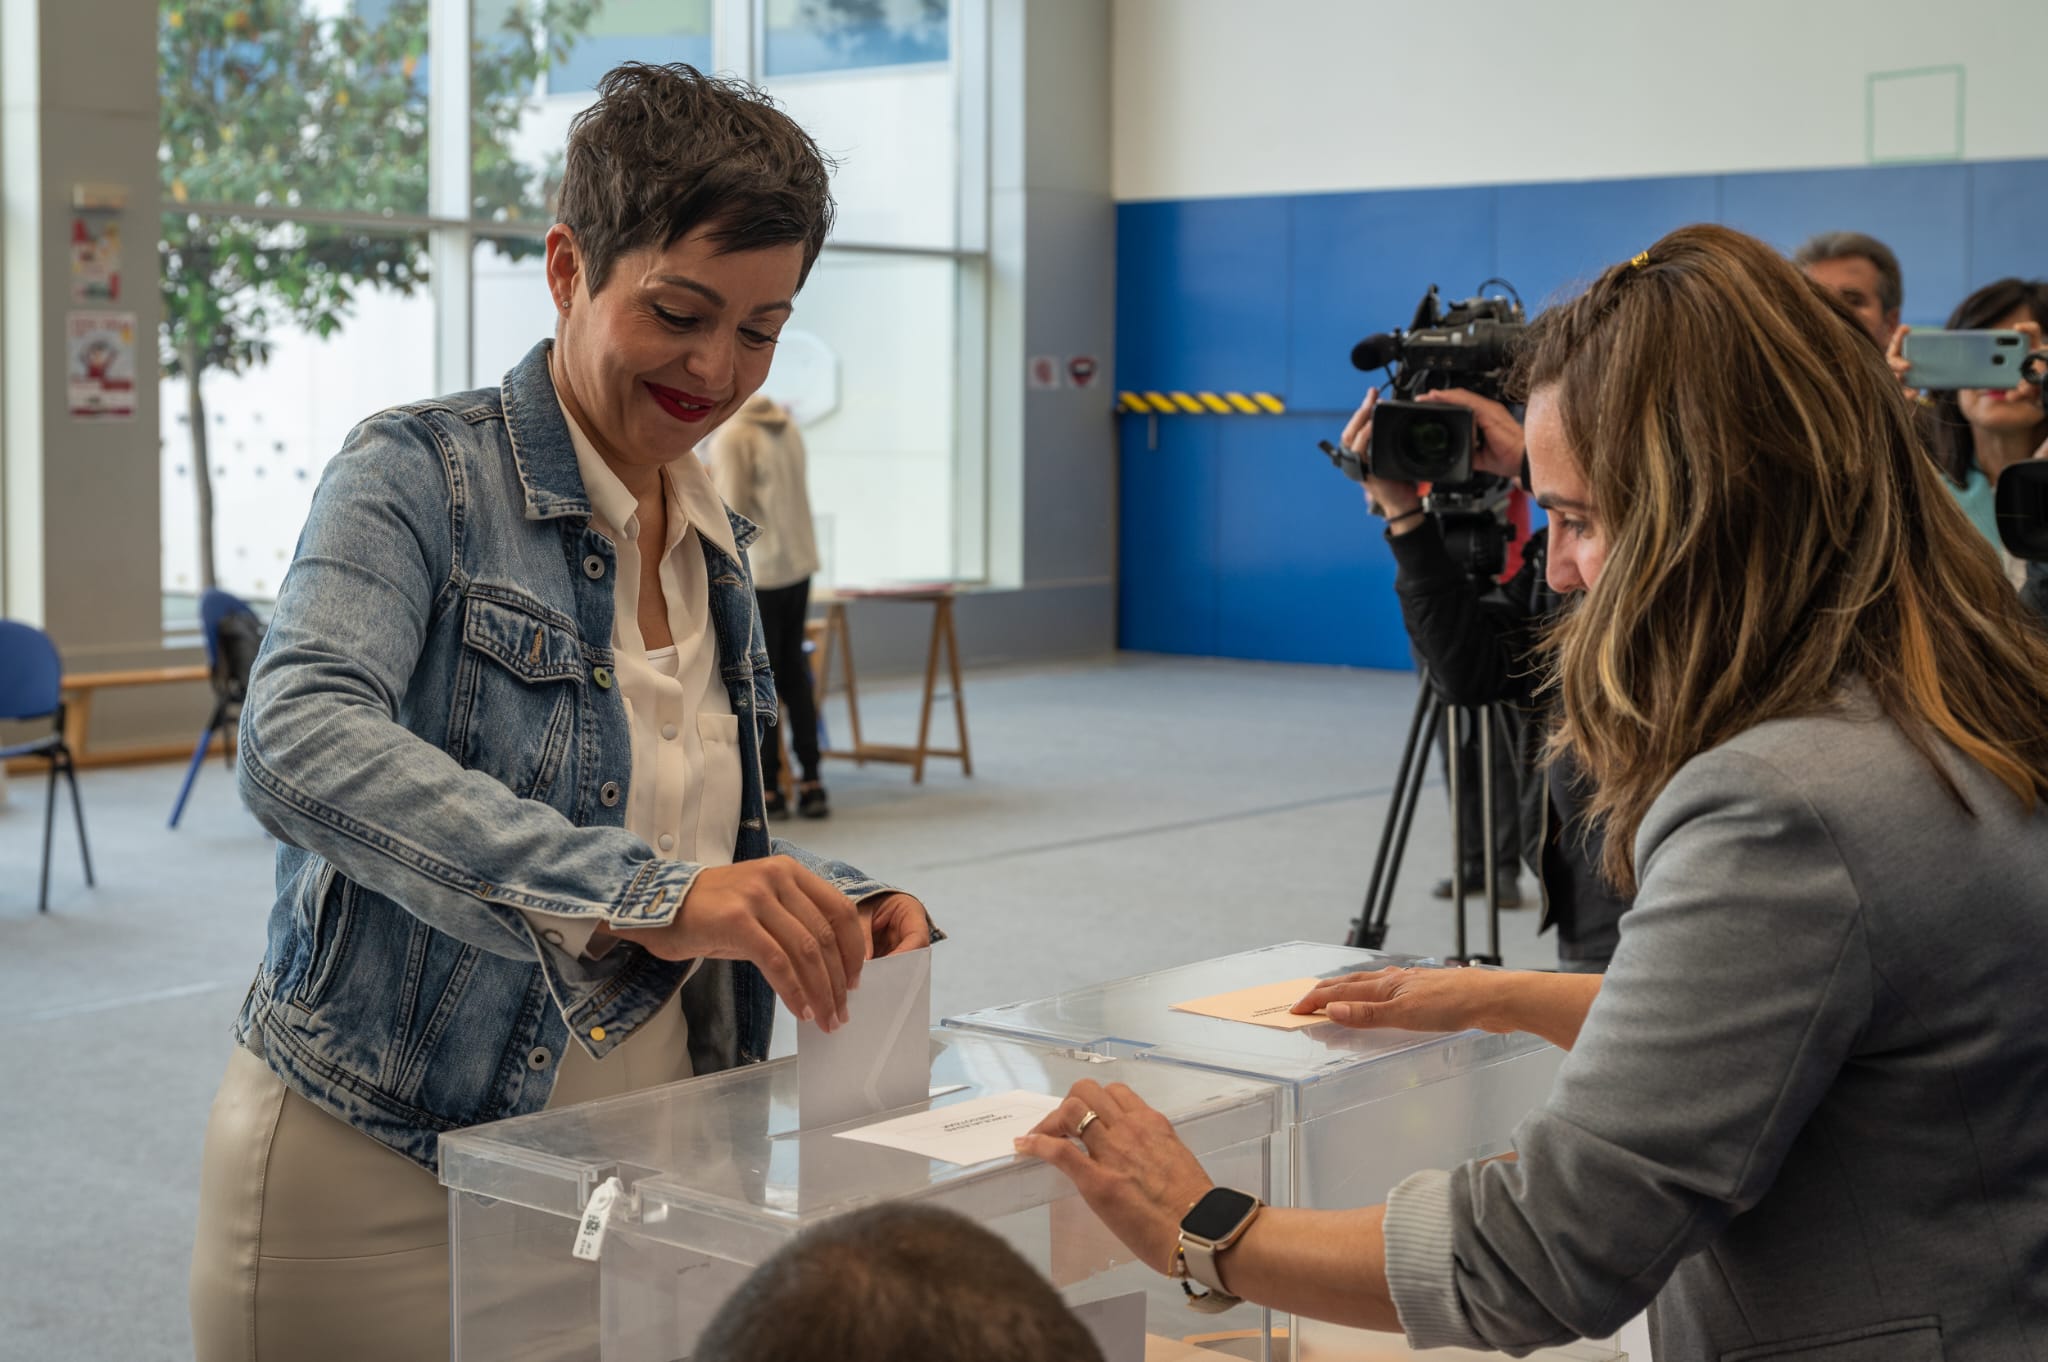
1220,97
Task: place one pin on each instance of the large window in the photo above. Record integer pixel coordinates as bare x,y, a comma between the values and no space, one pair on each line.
320,262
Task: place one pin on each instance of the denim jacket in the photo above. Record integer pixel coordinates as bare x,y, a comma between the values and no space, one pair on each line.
433,734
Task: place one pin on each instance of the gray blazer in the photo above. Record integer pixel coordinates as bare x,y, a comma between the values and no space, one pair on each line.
1809,1113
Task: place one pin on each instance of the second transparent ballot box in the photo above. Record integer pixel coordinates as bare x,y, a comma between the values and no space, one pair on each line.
717,1173
1363,1109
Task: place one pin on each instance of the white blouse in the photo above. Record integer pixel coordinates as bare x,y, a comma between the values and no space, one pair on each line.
683,797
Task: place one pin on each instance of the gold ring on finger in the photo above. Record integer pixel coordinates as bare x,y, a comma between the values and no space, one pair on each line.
1086,1121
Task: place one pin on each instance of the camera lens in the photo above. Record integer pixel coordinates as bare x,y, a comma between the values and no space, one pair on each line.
1428,440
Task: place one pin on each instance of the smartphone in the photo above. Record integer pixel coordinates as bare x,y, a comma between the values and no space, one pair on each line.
1964,359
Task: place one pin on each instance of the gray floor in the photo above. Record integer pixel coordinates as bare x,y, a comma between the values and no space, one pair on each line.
1123,816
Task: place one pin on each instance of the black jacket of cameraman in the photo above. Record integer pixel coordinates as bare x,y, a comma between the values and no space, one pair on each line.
1477,640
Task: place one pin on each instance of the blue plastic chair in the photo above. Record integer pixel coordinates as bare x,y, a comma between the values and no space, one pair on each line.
230,683
32,687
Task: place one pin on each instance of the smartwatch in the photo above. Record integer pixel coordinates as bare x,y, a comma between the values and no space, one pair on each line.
1217,1221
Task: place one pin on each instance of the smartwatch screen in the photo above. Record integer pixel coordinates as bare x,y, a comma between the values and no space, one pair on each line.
1218,1213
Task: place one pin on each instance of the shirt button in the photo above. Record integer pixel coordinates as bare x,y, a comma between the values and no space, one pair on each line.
593,567
597,1034
603,677
668,843
668,732
539,1057
608,794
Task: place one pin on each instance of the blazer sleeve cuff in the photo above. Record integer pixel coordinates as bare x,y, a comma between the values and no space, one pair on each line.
1421,1270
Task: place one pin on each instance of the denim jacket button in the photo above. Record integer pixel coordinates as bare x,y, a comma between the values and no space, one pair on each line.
593,567
608,794
603,677
538,1057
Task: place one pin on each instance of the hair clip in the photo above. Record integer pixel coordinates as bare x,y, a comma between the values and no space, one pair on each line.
1640,259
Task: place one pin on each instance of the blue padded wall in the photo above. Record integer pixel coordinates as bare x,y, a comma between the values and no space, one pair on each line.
1359,264
1210,279
1237,539
2008,212
1557,237
1167,572
1303,572
1921,212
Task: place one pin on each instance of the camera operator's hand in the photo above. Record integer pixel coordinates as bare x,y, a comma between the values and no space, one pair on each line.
1895,356
1497,435
1397,501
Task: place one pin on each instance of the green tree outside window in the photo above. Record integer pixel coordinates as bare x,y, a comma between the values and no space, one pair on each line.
270,104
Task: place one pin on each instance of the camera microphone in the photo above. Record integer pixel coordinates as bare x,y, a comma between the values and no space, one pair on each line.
1376,351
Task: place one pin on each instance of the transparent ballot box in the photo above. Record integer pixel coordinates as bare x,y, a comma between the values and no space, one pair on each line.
717,1173
1362,1109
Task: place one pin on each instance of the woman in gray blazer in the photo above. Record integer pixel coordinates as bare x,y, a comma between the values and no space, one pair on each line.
1806,1111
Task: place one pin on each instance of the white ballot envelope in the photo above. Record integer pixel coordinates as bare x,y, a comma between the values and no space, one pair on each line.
965,1133
881,1059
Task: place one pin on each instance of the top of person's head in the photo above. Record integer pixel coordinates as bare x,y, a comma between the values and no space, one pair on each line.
1891,293
666,150
891,1282
1955,444
1772,529
1998,300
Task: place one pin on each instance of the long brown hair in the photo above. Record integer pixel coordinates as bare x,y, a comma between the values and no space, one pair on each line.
1774,528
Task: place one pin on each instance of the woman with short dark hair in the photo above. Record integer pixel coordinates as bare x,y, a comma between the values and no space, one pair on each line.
1802,1112
506,727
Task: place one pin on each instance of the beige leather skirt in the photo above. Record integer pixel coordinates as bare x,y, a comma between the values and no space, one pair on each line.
315,1242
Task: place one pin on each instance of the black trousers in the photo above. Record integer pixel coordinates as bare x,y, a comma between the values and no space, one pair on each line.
1507,799
783,611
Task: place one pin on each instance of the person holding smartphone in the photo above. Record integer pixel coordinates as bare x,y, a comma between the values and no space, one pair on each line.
1978,433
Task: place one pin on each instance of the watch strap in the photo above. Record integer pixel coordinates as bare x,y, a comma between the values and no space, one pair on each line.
1200,1259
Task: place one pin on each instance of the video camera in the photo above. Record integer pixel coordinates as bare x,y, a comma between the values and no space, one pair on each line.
1468,345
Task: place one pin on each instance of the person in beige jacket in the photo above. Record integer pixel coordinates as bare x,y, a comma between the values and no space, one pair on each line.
757,462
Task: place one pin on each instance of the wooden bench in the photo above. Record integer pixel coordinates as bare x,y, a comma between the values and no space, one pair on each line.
79,689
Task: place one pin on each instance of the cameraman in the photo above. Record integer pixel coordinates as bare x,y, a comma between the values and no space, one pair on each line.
1478,641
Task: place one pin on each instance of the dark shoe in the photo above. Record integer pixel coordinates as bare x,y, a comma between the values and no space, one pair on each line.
811,802
778,807
1509,889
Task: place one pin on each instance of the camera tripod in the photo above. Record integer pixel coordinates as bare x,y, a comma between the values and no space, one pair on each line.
1369,928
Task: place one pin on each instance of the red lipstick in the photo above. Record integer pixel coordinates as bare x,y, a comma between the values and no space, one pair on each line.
679,404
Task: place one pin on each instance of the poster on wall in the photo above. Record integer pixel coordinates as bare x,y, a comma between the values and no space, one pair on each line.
1045,371
95,258
100,370
1082,369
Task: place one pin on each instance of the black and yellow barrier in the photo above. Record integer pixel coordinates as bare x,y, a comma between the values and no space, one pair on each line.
1199,404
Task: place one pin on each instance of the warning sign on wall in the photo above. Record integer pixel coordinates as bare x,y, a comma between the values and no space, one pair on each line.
1045,371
